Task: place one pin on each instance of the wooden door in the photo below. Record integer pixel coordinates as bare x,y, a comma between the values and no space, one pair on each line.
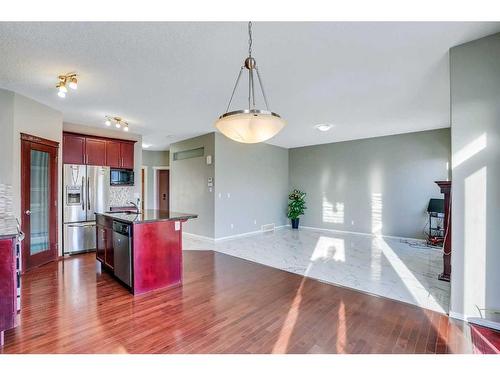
39,192
163,189
73,149
113,158
127,155
95,151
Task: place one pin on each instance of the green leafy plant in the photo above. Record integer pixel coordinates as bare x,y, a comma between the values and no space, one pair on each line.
296,204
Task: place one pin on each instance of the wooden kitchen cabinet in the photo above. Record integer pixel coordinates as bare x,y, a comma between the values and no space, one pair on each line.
100,251
127,155
104,245
92,150
73,149
113,157
8,286
95,151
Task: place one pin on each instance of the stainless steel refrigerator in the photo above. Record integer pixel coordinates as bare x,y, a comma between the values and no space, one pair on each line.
86,191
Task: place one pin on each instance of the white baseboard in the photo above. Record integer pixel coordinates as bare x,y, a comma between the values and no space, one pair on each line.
198,236
246,234
363,234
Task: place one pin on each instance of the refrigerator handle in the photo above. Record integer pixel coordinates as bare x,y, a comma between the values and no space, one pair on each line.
88,193
83,188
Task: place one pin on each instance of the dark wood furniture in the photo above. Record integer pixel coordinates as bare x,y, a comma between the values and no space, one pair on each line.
93,150
8,285
156,247
445,187
104,241
224,305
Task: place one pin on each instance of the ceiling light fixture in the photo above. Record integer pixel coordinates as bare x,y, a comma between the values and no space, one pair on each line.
118,121
250,125
323,127
145,145
70,80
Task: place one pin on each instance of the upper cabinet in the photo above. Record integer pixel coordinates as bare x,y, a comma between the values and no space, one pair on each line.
127,154
95,151
90,150
73,149
113,155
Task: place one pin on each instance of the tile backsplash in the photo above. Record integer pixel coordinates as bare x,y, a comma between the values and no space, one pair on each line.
6,200
121,195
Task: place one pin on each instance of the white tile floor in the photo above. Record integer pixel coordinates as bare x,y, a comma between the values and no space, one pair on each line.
383,266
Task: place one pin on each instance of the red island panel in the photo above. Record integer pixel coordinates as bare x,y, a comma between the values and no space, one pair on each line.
157,254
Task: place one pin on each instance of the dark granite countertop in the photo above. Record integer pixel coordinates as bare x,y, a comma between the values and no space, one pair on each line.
8,227
148,216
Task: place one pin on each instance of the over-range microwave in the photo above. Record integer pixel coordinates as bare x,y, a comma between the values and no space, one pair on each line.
121,177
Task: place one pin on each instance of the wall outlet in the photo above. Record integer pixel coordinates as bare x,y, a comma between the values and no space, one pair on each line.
232,226
255,222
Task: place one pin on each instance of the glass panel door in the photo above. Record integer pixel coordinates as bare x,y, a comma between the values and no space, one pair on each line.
39,201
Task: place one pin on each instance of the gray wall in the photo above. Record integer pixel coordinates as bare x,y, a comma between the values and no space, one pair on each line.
475,108
188,185
251,186
377,185
152,159
7,128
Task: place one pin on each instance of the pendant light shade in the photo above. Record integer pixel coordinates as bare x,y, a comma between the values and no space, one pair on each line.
250,125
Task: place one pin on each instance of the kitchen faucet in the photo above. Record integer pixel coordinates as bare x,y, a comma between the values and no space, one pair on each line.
135,205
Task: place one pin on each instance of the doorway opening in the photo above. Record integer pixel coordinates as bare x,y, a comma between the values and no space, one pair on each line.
161,191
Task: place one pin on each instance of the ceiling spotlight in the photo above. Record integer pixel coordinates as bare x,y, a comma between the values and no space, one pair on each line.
73,83
118,125
125,128
323,127
118,121
145,145
108,122
66,79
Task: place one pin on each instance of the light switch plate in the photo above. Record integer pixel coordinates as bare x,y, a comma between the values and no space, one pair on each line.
177,225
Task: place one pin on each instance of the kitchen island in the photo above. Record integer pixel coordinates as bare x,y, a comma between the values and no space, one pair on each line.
142,250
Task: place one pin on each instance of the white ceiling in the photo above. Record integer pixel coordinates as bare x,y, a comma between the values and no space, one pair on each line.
172,80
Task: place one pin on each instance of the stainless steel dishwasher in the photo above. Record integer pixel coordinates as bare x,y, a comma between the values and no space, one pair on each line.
122,244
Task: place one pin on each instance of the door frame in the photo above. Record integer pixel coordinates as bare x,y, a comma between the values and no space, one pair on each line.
46,144
155,185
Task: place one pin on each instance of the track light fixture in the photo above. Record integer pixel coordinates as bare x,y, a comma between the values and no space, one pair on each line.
118,121
70,80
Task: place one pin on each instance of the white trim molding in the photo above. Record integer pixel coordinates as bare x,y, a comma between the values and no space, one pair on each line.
155,184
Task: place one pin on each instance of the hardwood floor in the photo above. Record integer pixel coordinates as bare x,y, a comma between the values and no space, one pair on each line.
226,305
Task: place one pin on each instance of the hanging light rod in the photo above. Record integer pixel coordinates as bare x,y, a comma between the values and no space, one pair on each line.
118,121
250,125
69,79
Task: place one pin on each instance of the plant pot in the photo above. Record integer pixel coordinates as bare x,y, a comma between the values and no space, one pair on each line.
295,223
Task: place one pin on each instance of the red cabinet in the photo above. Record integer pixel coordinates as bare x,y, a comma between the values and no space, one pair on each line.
73,149
90,150
8,286
127,155
95,151
113,156
104,241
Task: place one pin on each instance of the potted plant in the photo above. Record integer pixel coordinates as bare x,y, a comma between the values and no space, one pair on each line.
296,206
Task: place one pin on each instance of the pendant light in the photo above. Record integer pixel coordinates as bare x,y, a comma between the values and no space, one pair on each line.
250,125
